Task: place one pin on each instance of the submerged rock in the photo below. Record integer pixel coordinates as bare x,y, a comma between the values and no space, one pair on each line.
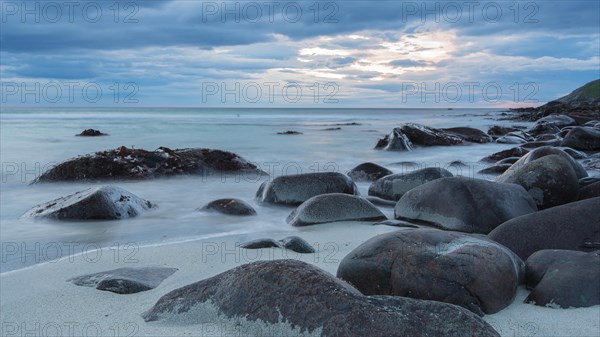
91,133
99,203
368,172
574,226
395,141
467,270
334,207
289,133
426,136
229,206
297,244
470,134
563,278
137,164
293,298
260,244
513,152
393,187
295,189
464,204
125,280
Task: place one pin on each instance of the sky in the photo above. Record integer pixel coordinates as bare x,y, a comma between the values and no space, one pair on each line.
322,54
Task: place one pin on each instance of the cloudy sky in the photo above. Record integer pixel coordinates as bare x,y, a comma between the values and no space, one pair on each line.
325,54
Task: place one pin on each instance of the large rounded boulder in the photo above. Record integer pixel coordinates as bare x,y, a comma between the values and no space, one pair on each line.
393,187
563,278
574,226
293,298
583,138
295,189
99,203
464,204
334,207
463,269
550,180
470,134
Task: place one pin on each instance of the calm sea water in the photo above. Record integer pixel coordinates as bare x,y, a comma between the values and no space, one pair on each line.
34,139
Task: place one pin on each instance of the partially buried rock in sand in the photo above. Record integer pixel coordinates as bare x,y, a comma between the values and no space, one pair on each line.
136,164
334,207
563,278
99,203
125,280
293,243
293,298
467,270
228,206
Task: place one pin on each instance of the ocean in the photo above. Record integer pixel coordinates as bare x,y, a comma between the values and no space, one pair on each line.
34,139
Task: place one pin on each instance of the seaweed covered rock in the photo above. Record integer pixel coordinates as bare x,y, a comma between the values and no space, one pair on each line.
136,164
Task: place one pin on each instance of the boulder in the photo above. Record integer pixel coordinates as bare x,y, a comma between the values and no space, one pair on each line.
498,130
590,191
467,270
368,172
295,189
550,180
422,135
549,150
381,202
515,137
137,164
563,278
125,280
559,121
574,226
583,138
293,298
98,203
393,187
91,133
509,160
229,206
495,169
334,207
513,152
297,244
470,134
260,244
464,204
574,153
395,141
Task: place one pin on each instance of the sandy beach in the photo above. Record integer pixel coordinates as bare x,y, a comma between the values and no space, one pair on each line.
40,299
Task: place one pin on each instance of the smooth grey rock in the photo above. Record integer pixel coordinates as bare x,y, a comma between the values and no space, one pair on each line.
495,169
464,204
293,190
563,278
550,180
297,244
368,172
229,206
125,280
260,243
393,187
334,207
583,138
381,202
426,136
467,270
590,191
557,120
573,226
294,298
98,203
396,223
549,150
513,152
